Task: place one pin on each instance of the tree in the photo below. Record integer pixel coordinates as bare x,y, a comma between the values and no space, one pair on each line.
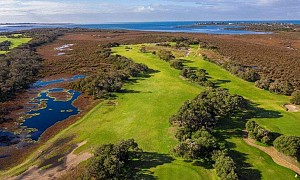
111,161
288,145
198,146
177,64
263,83
165,55
207,108
258,133
296,98
224,166
281,87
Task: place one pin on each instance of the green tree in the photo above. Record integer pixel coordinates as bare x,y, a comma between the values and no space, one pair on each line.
296,98
111,161
165,55
288,145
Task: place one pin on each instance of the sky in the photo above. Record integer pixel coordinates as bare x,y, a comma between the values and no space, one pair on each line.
103,11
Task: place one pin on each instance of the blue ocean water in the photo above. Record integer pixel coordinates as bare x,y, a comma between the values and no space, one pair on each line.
152,26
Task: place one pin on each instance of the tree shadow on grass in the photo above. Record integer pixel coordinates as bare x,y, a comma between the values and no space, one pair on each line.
205,163
219,82
149,160
244,169
233,126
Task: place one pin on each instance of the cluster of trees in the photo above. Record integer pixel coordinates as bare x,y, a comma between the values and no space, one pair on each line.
165,55
182,42
277,86
19,67
258,133
18,70
195,144
4,46
112,161
99,85
199,76
195,121
296,98
247,73
201,144
206,45
207,108
109,80
288,145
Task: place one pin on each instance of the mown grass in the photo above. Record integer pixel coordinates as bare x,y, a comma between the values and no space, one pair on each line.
142,112
15,42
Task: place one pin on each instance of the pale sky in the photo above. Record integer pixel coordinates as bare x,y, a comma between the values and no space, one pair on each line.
100,11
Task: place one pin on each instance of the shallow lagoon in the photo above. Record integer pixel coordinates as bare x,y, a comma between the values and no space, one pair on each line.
51,110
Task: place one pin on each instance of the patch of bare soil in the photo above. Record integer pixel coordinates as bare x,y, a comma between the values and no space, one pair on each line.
277,157
70,162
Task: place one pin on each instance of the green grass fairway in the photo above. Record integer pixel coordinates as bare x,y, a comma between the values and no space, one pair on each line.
15,42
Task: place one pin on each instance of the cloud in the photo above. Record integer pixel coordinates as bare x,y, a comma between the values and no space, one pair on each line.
144,9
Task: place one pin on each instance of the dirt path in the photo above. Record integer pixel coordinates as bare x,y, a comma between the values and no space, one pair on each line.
71,161
277,157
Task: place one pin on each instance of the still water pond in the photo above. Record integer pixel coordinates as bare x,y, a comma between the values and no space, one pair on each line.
50,110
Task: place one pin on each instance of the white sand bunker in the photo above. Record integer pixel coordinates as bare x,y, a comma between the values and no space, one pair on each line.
61,49
292,108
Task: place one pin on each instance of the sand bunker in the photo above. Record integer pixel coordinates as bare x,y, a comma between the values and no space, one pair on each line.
292,108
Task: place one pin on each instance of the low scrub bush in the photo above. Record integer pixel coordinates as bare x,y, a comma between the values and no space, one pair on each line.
288,145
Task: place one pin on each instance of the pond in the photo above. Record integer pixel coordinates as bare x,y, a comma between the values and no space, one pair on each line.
46,83
54,105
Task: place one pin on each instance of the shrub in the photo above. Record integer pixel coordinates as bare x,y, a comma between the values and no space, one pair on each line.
263,83
198,76
165,55
296,98
177,64
281,87
246,73
288,145
258,133
143,49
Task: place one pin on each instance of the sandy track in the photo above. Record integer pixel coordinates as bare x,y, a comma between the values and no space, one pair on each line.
277,157
71,161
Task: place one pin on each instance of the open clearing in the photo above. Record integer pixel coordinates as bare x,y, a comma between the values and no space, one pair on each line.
15,42
143,110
